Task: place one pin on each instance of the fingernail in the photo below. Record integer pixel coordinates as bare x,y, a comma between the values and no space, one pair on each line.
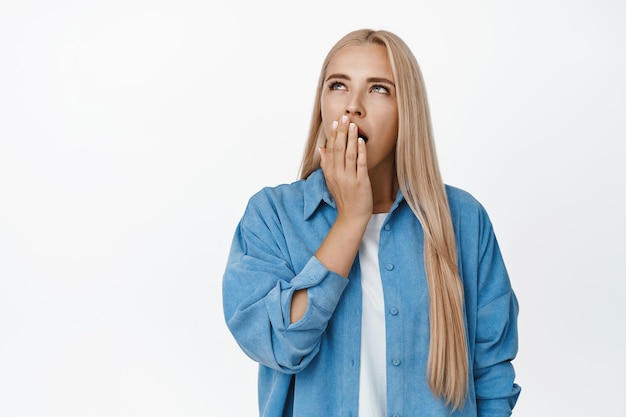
361,141
344,119
352,127
335,124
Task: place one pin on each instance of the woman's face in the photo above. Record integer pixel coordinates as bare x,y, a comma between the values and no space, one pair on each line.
359,83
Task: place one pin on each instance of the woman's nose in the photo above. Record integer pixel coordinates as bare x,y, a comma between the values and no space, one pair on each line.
354,107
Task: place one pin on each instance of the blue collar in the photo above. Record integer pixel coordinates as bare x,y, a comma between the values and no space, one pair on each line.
316,192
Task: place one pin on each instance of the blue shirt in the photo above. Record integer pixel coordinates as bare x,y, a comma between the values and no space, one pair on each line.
311,368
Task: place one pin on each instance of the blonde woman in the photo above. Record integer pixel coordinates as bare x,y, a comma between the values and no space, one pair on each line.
368,287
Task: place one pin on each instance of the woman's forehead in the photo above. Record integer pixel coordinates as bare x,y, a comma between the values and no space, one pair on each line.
370,59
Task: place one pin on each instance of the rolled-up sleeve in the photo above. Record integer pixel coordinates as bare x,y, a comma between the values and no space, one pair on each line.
258,285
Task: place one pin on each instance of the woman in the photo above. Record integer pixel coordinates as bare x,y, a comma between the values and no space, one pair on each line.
368,287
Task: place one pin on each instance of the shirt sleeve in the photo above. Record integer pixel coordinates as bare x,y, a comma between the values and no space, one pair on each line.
496,341
258,285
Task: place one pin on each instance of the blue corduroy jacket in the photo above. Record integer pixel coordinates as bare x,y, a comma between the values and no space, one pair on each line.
311,368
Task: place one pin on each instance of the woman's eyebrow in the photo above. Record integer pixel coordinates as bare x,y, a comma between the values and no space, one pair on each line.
340,76
369,80
380,80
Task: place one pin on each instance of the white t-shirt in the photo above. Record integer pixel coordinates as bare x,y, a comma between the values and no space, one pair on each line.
373,374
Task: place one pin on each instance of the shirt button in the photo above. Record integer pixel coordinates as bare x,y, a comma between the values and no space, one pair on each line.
396,415
389,267
387,227
394,311
396,362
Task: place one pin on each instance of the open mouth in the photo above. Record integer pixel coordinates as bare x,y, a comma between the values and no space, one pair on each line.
362,136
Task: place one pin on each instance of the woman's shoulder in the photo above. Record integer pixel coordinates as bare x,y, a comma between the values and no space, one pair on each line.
465,208
277,193
462,199
290,191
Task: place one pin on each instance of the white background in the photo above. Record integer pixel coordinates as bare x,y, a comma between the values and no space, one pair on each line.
133,132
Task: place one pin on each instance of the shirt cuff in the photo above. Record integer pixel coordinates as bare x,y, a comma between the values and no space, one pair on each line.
324,289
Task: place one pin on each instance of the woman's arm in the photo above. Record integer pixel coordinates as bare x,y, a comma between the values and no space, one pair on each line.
257,289
496,340
344,162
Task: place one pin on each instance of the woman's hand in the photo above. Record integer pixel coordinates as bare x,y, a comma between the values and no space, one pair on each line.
344,162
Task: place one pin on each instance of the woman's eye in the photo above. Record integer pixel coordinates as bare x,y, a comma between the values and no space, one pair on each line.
337,86
380,89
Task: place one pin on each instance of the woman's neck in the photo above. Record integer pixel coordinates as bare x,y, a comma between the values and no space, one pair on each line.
384,189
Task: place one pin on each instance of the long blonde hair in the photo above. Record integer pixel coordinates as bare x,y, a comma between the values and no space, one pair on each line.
420,180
